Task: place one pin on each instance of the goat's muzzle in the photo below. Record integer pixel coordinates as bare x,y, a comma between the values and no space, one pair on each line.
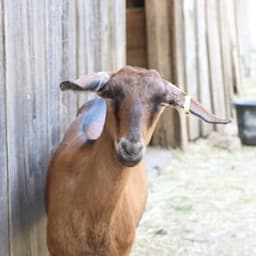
129,153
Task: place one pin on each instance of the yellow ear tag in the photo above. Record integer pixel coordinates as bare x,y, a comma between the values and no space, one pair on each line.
186,107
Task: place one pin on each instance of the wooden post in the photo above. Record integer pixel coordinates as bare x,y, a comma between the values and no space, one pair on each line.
159,57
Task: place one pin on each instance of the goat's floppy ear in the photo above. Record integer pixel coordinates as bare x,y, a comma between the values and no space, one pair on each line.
177,97
90,82
94,118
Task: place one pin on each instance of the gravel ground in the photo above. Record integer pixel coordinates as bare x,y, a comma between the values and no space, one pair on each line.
202,202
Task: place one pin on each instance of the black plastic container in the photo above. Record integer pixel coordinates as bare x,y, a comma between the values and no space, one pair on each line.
246,119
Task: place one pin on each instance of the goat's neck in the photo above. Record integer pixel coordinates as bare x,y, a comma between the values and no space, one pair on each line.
108,179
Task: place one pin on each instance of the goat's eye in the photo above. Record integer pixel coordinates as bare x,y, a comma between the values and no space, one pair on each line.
157,100
114,93
107,94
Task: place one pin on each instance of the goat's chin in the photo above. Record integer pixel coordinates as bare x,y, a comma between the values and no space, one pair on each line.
129,161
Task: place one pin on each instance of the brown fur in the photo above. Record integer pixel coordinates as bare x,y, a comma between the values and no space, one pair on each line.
94,202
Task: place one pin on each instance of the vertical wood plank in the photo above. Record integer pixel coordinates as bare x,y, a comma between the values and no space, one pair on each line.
176,23
106,35
118,34
159,55
191,62
36,111
243,34
202,64
69,100
4,229
53,13
158,37
226,54
16,126
215,62
136,42
85,53
237,81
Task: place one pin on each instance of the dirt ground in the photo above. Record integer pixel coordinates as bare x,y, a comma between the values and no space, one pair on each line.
201,202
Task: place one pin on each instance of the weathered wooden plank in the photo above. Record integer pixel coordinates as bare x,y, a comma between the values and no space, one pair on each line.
4,229
106,56
158,37
176,23
226,54
159,55
85,52
243,33
202,63
36,112
53,31
69,100
118,48
136,38
16,126
191,62
236,71
215,62
95,34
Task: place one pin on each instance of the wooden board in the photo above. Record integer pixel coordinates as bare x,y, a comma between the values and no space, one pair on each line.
158,37
202,64
215,61
191,62
159,57
68,105
118,46
35,116
136,38
241,9
226,55
176,23
233,33
4,229
16,124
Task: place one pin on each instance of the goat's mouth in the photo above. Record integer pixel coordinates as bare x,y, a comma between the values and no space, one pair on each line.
129,152
129,160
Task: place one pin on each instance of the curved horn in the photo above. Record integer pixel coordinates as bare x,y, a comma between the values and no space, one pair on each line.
90,82
176,96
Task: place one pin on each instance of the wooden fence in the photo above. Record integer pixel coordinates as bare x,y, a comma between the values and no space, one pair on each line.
196,45
42,43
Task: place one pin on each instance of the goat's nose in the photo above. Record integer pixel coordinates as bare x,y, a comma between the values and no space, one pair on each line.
131,148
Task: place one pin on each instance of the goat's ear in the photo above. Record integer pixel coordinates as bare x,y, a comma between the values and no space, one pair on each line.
177,97
94,119
90,82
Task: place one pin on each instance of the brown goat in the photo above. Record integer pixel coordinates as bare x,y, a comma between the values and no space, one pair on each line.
97,182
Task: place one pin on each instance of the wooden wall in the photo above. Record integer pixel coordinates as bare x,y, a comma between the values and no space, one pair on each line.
41,44
194,44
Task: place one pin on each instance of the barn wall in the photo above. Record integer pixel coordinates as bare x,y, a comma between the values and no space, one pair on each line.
200,39
41,44
196,44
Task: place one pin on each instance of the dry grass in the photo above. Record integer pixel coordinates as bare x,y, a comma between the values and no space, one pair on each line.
202,203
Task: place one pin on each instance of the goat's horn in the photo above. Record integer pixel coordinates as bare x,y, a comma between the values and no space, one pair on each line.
177,97
90,82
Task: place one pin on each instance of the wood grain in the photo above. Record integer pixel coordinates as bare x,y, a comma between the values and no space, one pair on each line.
215,61
159,58
4,220
202,64
191,62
